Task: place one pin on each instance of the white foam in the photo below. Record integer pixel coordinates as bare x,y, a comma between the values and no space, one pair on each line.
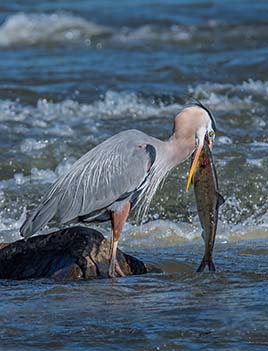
258,162
11,218
12,110
21,29
34,29
118,105
222,97
250,86
220,101
159,233
254,87
154,234
37,176
261,145
223,139
115,105
61,27
30,144
174,33
9,226
165,233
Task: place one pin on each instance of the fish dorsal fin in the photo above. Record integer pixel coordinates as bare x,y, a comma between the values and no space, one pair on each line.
220,201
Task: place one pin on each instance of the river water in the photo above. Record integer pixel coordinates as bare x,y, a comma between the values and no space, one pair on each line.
74,73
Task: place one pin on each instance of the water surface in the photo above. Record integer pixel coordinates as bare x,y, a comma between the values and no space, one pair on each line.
75,73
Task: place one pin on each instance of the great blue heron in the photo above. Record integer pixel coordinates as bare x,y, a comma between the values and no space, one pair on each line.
120,173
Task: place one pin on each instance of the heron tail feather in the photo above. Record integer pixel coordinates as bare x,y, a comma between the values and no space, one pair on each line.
38,218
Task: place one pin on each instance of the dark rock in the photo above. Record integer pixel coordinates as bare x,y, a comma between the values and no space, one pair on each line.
71,253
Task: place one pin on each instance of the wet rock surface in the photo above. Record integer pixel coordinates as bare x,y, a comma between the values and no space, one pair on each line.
72,253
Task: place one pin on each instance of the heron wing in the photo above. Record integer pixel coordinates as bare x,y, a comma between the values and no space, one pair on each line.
103,175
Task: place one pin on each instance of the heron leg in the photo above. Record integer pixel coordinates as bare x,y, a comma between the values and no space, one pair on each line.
118,221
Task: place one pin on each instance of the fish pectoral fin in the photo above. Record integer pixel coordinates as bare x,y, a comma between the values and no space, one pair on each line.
220,200
206,262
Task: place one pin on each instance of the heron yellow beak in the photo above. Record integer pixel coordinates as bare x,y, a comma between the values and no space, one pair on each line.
194,165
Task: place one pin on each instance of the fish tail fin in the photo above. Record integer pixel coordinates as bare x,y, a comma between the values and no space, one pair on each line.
211,266
206,262
202,265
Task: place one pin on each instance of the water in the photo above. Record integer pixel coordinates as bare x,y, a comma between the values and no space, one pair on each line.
75,73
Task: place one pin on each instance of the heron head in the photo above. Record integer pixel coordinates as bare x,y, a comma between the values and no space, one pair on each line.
198,126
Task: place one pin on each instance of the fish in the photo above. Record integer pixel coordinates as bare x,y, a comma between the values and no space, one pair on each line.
208,201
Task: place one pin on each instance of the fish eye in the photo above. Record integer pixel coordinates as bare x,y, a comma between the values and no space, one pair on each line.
211,134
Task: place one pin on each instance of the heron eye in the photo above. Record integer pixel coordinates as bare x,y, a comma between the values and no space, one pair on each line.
211,134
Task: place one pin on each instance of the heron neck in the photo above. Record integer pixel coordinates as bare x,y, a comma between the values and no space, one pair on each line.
180,148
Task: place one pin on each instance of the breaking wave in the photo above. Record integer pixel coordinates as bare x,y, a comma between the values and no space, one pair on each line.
113,105
165,233
12,214
153,234
60,27
172,34
222,97
32,29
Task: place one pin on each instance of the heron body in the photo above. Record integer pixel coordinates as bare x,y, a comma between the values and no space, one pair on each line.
122,172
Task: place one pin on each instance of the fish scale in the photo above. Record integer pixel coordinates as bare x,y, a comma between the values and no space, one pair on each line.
208,200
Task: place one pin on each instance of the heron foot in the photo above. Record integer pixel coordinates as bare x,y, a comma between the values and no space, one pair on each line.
114,268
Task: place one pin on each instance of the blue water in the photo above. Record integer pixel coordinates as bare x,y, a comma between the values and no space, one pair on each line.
76,72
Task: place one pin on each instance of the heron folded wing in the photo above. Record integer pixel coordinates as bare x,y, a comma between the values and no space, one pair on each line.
102,179
115,167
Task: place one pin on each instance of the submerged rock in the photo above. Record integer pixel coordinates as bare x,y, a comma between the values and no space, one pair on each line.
71,253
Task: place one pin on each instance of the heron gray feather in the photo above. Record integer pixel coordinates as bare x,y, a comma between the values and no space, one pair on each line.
117,166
